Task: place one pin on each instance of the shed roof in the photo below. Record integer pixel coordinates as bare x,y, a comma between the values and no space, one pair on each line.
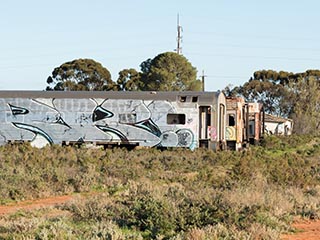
276,119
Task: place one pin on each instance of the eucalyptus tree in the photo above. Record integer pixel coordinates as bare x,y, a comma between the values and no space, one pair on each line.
293,95
80,75
169,71
129,80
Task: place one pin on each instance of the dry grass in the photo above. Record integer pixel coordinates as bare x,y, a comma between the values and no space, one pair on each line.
152,194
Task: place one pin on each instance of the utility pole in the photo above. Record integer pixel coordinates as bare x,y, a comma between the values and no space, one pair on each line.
179,38
202,80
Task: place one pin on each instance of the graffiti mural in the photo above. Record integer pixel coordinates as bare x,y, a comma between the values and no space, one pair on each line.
40,137
212,133
100,113
18,110
43,121
231,133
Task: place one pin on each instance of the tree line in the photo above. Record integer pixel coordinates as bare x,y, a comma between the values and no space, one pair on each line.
286,94
168,71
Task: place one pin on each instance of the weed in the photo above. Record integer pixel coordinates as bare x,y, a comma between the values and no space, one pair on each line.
152,194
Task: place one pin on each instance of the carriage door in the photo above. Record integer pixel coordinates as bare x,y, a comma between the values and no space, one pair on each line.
222,117
204,123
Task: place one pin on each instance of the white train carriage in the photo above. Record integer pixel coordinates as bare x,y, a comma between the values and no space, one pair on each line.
151,119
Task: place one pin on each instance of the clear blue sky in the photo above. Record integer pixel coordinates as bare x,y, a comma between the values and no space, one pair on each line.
227,39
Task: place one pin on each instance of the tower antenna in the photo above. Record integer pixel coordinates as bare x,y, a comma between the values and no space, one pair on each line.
202,80
179,38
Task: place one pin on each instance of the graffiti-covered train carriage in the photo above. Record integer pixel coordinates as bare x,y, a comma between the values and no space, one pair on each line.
150,119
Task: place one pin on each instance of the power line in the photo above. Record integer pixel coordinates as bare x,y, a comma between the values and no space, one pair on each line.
253,56
240,46
223,76
254,36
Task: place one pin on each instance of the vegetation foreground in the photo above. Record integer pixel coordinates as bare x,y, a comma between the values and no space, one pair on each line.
153,194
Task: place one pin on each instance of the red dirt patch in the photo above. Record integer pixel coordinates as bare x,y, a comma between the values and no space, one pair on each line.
307,230
34,204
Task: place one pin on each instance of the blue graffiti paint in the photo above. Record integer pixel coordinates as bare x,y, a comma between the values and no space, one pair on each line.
33,129
100,113
107,129
149,126
18,110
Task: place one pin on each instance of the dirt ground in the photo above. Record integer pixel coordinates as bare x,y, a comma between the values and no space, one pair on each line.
34,204
306,230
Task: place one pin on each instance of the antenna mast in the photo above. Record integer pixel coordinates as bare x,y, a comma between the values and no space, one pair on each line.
202,80
179,38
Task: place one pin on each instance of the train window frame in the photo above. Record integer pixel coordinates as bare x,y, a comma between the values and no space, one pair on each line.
183,99
176,119
231,120
194,99
127,118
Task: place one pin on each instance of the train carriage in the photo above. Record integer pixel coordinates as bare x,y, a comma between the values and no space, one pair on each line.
256,122
245,123
237,123
150,119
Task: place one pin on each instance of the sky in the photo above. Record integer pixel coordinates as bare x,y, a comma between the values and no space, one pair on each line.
225,40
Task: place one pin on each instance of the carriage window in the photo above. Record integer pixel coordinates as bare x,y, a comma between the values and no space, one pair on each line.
173,118
194,99
183,98
232,121
127,118
251,129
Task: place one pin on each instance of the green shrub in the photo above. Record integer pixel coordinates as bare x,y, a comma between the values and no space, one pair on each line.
176,194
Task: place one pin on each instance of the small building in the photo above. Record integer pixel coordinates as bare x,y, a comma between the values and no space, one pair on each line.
278,125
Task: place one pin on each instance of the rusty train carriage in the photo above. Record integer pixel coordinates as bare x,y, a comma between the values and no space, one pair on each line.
151,119
245,123
237,123
256,122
